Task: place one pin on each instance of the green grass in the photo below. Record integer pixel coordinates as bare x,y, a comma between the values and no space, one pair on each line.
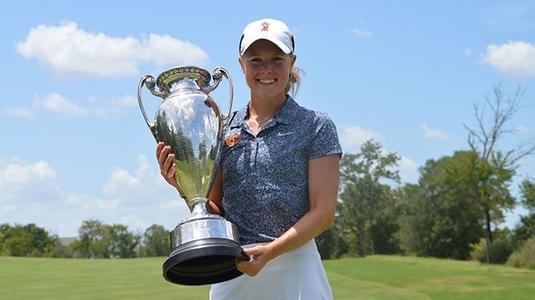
100,279
374,277
395,277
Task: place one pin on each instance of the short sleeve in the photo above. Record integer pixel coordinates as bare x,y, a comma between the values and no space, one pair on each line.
324,141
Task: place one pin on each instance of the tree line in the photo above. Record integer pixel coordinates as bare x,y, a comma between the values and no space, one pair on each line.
439,216
95,240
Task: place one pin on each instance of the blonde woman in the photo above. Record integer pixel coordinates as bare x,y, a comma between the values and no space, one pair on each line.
278,177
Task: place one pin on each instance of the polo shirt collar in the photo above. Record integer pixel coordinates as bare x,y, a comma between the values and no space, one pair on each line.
287,111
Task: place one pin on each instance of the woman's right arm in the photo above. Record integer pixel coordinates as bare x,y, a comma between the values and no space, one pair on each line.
166,160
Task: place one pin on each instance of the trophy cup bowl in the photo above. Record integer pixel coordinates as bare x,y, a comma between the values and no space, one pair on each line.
204,247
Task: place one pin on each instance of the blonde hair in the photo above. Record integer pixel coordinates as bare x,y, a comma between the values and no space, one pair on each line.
294,81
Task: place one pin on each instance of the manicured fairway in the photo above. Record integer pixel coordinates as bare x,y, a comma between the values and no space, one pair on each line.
396,277
374,277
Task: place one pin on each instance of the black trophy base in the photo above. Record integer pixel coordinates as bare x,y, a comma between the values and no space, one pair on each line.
204,261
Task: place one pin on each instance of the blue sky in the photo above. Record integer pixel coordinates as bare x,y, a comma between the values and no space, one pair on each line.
74,145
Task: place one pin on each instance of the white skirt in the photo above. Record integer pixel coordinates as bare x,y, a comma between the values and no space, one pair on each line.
295,275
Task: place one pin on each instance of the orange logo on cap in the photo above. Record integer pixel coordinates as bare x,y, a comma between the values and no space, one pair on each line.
265,26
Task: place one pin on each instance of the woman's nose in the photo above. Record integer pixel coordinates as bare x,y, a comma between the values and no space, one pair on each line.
266,66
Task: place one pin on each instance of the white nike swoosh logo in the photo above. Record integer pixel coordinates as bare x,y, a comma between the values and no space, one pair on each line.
284,133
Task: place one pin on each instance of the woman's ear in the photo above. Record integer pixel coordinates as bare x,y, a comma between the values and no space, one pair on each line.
241,64
294,57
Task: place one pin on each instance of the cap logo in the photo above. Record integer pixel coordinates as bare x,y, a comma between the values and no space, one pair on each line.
265,26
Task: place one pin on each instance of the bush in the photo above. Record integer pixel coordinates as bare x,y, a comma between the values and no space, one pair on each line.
478,251
500,251
524,230
525,256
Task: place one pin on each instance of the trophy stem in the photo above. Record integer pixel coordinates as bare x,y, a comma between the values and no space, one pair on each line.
199,206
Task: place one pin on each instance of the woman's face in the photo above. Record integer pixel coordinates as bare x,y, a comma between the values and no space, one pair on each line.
267,69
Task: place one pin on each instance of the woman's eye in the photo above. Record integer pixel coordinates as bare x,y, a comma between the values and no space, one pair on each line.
278,60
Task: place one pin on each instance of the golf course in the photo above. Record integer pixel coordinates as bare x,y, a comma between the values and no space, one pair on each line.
373,277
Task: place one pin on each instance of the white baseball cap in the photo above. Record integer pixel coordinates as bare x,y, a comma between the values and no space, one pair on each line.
272,30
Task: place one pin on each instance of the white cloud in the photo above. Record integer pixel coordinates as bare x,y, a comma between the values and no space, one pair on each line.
120,179
515,58
16,174
352,137
166,50
32,193
135,222
59,104
24,189
361,32
20,112
89,202
67,49
56,103
408,170
106,107
127,100
435,133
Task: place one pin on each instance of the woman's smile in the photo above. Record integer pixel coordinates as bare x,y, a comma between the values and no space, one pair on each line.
266,81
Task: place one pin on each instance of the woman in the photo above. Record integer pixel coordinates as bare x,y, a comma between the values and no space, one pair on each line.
278,177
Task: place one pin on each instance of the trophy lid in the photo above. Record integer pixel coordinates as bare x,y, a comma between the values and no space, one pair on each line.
167,78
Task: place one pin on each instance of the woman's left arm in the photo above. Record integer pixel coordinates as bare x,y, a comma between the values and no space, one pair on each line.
323,181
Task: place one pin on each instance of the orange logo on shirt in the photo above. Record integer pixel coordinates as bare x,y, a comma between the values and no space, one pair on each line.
232,140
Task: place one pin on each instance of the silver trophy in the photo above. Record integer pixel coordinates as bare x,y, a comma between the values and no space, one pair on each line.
204,247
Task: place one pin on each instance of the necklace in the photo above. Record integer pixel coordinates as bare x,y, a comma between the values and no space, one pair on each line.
259,125
254,120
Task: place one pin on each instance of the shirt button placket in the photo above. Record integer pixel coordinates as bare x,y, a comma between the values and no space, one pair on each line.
254,152
257,146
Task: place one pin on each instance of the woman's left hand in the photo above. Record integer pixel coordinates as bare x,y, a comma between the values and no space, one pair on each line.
258,258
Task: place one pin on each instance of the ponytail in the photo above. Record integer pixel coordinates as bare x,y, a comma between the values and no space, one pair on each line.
294,81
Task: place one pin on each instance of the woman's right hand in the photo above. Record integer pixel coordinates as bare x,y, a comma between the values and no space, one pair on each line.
166,160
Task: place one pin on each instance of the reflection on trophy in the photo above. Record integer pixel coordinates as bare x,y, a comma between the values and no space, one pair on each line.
204,246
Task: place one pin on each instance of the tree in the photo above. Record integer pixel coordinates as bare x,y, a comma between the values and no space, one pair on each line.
332,242
41,242
439,219
384,228
492,127
122,243
93,239
364,196
98,240
27,240
326,242
3,236
527,190
414,220
155,241
526,229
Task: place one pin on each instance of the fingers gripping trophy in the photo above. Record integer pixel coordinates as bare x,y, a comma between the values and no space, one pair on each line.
204,246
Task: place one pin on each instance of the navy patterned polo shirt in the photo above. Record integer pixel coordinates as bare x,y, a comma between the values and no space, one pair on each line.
265,177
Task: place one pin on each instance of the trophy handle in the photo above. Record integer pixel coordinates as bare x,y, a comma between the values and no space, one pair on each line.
217,76
148,81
